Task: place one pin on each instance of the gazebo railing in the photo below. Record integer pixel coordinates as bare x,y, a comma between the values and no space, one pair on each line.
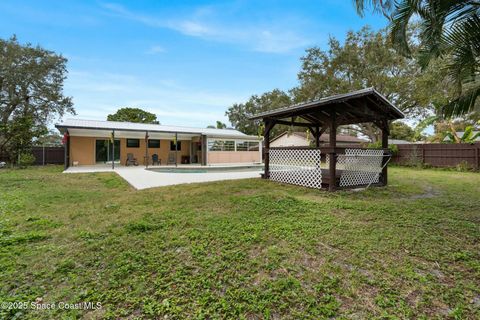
310,167
360,167
296,166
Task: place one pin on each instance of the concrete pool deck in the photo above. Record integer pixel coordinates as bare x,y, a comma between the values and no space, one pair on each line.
141,178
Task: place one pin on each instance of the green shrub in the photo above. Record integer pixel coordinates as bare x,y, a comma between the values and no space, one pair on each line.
378,145
414,159
26,160
463,166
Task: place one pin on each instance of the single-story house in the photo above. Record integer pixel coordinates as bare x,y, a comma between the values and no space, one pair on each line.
90,142
399,141
299,139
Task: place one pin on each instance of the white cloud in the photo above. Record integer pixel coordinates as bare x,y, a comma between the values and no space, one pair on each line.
156,50
274,36
97,94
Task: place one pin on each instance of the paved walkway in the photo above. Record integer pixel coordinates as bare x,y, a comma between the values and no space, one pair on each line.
140,178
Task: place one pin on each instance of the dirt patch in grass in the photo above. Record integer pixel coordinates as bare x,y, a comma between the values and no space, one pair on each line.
429,192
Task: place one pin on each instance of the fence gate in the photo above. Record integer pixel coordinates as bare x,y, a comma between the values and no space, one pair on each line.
296,166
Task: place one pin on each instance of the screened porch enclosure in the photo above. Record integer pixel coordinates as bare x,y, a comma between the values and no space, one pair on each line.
330,167
221,150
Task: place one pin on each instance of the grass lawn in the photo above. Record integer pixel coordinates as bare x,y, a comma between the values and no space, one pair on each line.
240,249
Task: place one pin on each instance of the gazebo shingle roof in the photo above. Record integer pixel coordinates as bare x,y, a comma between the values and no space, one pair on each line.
366,105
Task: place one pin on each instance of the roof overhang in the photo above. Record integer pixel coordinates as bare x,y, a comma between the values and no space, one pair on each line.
84,131
102,133
62,128
361,106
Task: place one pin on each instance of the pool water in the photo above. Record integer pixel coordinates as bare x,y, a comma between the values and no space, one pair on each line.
207,169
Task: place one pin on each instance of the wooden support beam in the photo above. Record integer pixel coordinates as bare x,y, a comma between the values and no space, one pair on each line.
385,132
354,121
66,149
332,155
269,124
295,124
311,118
381,109
317,137
322,130
321,116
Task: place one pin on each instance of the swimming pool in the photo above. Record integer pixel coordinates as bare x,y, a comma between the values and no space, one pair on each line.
208,169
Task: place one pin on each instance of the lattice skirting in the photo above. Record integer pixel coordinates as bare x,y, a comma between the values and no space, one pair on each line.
299,167
360,167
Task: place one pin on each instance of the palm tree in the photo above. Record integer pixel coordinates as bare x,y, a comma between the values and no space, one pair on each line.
449,30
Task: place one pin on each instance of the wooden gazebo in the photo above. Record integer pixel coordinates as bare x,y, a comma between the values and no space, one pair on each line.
307,166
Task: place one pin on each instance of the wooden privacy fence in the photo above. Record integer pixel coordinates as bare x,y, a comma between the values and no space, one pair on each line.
48,155
44,155
439,154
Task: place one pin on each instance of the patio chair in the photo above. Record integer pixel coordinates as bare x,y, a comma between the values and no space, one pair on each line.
156,160
172,158
131,160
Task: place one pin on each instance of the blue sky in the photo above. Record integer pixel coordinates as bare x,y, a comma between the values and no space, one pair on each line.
186,61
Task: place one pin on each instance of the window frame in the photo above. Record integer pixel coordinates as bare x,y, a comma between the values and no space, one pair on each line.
156,146
135,146
172,145
221,145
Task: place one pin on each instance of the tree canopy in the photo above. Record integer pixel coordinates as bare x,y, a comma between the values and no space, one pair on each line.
365,59
239,112
51,138
449,33
218,125
133,115
31,94
402,131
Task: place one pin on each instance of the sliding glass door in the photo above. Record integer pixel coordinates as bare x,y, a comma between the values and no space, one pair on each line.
104,149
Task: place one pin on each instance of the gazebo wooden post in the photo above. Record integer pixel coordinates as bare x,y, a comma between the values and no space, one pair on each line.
317,137
385,133
266,141
66,149
332,186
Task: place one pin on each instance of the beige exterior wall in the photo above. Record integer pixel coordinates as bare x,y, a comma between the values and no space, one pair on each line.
162,152
82,150
214,157
138,153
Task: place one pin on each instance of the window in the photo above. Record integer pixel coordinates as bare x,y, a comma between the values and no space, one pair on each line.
172,145
133,143
154,143
247,145
221,145
242,146
253,145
